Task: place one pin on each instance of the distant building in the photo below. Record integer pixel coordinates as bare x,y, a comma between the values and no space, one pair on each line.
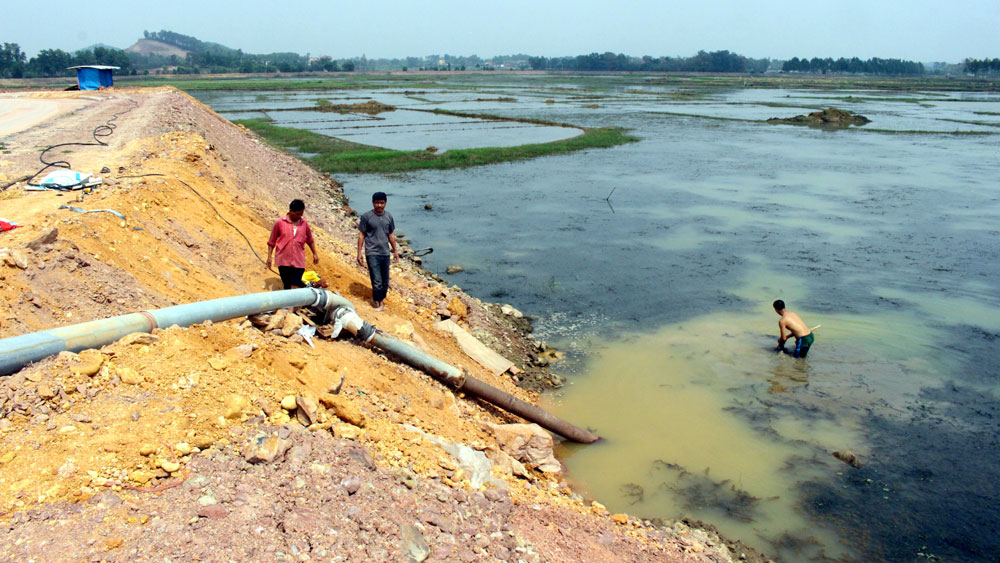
95,77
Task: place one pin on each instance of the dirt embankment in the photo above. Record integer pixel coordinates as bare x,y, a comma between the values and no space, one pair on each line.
829,117
223,442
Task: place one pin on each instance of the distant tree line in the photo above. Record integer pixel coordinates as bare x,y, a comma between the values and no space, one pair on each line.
207,57
853,65
715,61
54,62
985,66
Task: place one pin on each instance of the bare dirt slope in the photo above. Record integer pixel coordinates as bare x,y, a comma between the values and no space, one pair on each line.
176,445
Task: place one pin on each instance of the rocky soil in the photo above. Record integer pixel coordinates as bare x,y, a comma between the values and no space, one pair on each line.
829,117
225,442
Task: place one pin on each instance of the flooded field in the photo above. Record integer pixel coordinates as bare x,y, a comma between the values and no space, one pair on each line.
887,235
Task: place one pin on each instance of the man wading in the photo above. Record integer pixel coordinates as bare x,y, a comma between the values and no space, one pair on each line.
289,236
795,326
376,233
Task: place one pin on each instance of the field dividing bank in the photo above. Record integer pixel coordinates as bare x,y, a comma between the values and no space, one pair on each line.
333,155
594,81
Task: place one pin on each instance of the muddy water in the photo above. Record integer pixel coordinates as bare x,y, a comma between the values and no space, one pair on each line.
661,296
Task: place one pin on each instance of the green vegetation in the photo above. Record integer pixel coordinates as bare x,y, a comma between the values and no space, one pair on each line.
337,156
853,65
983,123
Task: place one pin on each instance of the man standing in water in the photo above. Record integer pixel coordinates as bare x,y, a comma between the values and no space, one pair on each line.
289,236
794,325
376,233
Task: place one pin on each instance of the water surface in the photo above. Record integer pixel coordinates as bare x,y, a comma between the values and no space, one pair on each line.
661,295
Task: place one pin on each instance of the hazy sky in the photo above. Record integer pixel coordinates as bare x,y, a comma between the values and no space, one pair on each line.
919,30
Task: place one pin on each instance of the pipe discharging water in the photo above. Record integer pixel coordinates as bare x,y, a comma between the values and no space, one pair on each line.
18,351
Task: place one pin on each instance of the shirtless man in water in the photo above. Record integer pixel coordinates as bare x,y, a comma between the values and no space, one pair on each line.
794,326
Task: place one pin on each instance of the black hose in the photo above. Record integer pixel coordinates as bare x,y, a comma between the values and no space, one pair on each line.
224,220
100,131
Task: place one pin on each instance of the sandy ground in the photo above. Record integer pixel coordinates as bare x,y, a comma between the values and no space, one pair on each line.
22,111
150,448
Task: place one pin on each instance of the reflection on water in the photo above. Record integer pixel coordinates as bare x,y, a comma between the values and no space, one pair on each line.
663,304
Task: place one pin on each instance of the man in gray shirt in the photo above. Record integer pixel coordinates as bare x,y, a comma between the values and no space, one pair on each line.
376,233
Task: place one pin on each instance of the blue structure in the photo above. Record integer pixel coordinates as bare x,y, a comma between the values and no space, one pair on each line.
94,77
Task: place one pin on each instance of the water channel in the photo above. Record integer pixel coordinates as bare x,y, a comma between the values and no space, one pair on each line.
661,296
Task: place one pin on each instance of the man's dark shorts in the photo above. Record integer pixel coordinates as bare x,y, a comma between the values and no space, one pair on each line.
291,276
803,344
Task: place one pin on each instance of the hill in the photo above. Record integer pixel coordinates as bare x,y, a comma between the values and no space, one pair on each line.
154,47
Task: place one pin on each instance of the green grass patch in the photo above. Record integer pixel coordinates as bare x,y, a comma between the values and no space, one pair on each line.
983,123
710,117
338,156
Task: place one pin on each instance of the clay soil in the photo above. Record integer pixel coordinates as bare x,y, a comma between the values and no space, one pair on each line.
141,450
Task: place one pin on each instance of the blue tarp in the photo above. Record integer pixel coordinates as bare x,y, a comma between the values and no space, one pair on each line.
93,78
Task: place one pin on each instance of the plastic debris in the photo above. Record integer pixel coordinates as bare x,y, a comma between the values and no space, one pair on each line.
6,225
473,462
78,210
307,332
66,180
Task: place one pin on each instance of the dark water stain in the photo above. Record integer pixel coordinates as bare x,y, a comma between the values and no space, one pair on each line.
930,485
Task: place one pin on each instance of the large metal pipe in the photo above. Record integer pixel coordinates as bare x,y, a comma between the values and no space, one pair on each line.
472,386
18,351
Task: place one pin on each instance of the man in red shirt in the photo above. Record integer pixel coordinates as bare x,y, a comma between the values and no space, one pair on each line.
289,236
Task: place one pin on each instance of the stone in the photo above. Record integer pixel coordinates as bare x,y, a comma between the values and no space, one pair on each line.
290,324
242,351
47,238
212,511
16,259
346,431
414,546
265,448
620,518
848,457
91,362
457,308
130,376
344,408
288,402
141,476
182,448
306,411
453,269
169,466
351,485
139,339
218,363
527,443
45,391
147,449
81,418
276,320
202,442
235,405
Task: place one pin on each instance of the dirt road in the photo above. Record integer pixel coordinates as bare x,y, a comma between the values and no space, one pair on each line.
22,111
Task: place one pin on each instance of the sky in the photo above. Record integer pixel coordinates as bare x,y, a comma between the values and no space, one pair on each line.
917,30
